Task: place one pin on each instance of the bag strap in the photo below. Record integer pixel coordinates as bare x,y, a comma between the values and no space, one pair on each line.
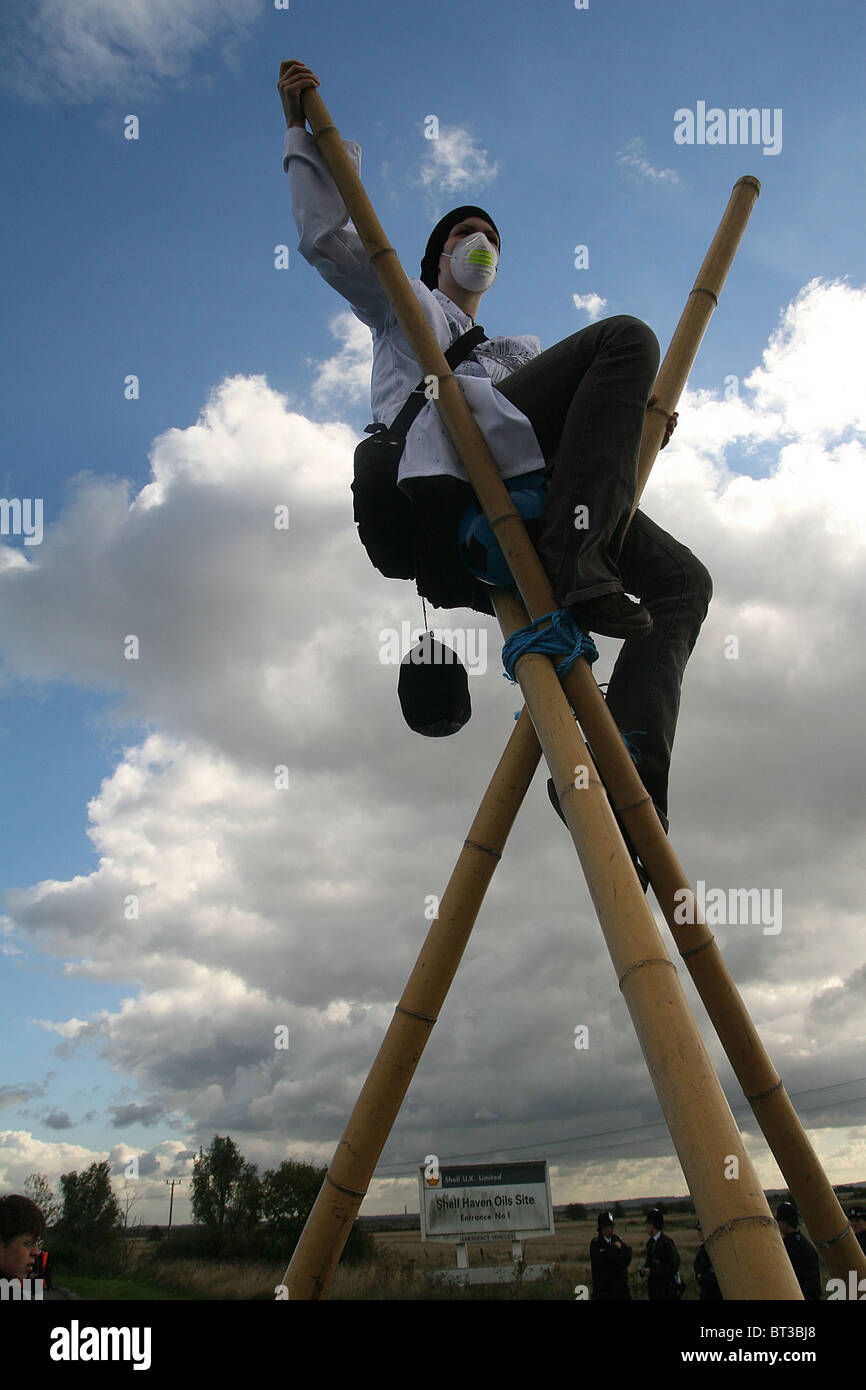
457,353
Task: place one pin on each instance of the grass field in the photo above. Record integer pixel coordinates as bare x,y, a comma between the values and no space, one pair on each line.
404,1261
399,1269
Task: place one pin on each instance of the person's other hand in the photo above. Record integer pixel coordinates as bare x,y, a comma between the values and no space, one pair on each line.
294,78
671,424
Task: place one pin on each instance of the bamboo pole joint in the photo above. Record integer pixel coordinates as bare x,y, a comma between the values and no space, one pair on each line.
695,950
762,1095
632,804
727,1226
834,1239
413,1013
650,960
486,849
341,1187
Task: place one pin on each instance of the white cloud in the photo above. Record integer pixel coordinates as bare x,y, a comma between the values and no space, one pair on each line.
346,376
812,367
21,1154
70,52
633,158
591,303
260,907
454,163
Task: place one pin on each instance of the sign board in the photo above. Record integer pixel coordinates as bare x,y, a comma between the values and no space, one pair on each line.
490,1201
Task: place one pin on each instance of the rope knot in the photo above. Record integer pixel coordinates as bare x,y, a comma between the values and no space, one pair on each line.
562,638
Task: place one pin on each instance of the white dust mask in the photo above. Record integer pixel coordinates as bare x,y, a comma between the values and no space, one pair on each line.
474,262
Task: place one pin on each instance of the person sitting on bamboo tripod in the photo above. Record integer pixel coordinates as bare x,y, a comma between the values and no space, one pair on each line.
574,412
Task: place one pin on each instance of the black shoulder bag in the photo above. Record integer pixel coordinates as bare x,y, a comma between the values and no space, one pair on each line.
383,514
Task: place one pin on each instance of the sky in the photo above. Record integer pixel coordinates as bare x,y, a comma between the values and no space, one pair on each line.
169,900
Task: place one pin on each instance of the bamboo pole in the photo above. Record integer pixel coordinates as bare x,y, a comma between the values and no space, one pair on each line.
366,1133
808,1183
776,1116
689,332
748,1254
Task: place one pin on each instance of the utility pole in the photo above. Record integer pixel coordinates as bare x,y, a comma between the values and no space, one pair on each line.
171,1182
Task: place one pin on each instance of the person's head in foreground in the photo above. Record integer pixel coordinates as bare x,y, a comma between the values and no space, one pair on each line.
22,1227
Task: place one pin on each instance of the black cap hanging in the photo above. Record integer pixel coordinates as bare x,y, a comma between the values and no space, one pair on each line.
434,689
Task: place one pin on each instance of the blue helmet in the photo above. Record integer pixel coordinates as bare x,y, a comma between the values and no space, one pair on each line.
479,548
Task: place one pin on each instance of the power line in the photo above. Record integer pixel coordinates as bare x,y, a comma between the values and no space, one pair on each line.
409,1169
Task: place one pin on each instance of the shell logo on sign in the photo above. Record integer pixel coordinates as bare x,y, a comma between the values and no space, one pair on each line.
431,1170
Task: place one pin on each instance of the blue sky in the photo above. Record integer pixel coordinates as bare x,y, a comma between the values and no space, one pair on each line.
155,257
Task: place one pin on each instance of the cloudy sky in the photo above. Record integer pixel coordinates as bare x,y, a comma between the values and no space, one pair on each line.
170,900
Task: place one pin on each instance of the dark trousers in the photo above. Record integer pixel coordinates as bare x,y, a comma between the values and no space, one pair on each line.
586,399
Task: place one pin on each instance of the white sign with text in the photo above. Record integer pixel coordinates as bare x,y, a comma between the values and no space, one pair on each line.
491,1201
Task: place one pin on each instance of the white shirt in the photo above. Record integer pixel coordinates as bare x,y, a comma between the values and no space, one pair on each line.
329,241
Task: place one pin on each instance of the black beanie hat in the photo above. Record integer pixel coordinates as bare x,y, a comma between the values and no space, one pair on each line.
605,1218
787,1211
439,236
656,1216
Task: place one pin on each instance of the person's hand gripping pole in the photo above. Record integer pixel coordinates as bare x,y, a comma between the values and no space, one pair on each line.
294,78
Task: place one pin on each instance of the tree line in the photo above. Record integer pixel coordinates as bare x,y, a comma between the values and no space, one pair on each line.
236,1212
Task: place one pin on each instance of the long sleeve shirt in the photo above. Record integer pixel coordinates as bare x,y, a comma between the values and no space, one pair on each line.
330,243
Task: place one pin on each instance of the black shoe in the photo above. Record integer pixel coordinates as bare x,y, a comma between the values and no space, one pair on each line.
639,868
612,615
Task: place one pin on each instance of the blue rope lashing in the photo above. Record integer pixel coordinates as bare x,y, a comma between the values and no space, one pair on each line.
562,638
634,753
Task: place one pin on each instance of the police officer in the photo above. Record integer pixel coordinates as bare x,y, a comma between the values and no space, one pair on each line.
704,1272
610,1258
803,1255
662,1261
857,1217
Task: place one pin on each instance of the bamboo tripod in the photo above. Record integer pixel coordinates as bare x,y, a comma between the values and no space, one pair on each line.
742,1238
